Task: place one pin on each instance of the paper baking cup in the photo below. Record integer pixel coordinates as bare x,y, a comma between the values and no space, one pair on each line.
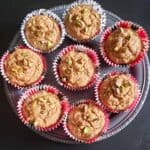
30,92
133,104
92,140
96,7
2,68
49,14
125,24
91,53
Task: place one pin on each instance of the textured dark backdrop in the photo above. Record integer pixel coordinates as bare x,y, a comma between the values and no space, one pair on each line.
14,135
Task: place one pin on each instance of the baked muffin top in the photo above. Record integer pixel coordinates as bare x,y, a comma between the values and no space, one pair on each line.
117,92
23,66
85,121
76,68
42,32
42,109
82,22
123,45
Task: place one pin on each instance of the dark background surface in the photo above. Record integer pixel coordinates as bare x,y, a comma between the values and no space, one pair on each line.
14,135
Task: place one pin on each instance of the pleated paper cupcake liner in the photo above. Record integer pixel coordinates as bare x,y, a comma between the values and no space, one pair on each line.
3,73
64,106
125,24
49,14
90,52
92,140
96,7
131,106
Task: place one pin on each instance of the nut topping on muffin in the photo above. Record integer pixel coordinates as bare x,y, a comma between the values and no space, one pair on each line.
42,32
23,67
82,22
86,121
118,92
76,68
42,109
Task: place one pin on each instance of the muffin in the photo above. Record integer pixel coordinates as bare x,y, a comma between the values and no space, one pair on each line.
86,121
42,31
118,92
23,67
84,20
123,45
77,67
41,108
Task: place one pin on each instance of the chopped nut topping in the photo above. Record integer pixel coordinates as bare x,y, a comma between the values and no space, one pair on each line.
86,130
70,18
118,82
49,44
42,109
77,67
123,91
123,46
79,23
39,31
84,22
79,124
69,61
23,67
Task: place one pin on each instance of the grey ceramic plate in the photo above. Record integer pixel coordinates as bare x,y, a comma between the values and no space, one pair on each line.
117,121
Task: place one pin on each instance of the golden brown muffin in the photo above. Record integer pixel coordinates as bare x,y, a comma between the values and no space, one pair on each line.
117,92
42,109
23,67
123,45
42,32
85,121
76,69
82,22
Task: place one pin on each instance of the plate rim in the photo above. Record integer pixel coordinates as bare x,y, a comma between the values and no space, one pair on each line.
129,120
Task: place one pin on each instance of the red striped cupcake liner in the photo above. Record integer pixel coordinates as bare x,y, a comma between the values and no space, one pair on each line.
125,24
63,100
96,6
92,140
92,55
49,14
2,68
133,104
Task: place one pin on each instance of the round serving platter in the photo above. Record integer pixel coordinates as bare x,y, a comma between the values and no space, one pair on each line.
117,121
